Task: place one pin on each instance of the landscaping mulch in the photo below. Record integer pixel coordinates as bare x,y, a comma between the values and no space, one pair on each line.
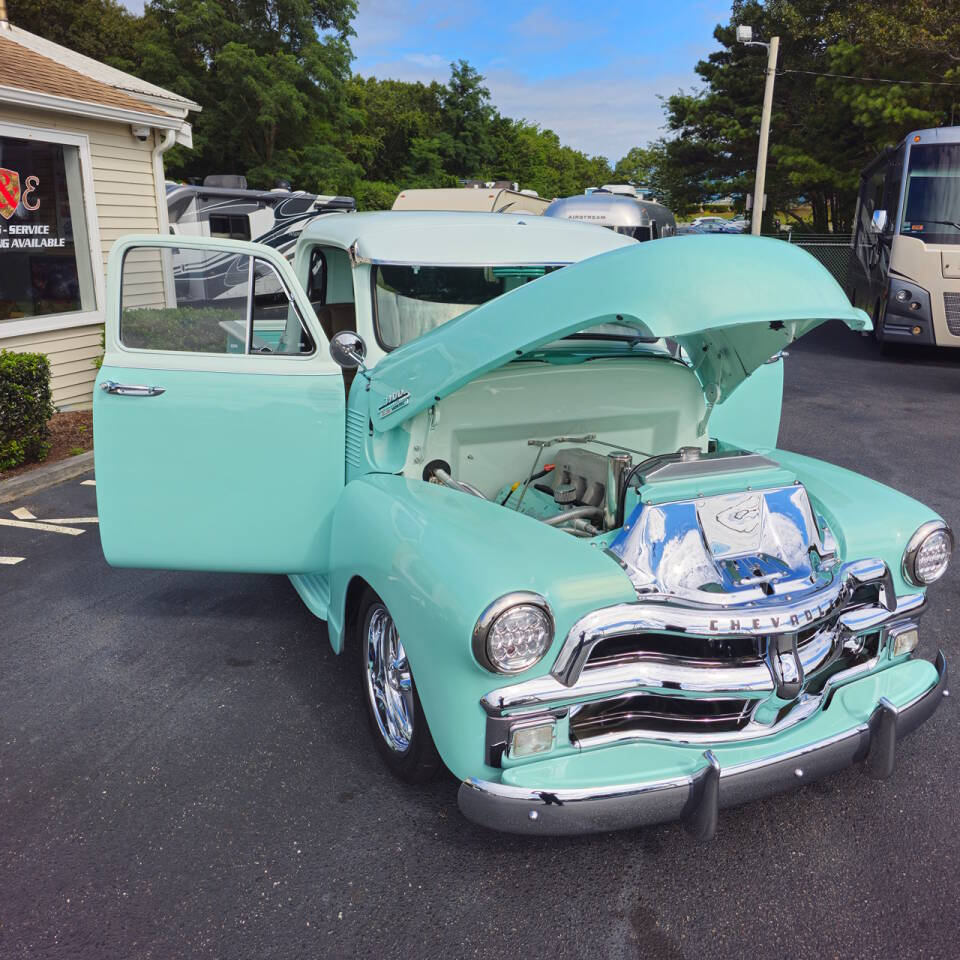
71,433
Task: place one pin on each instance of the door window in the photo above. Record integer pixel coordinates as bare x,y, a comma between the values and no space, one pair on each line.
194,300
275,323
317,278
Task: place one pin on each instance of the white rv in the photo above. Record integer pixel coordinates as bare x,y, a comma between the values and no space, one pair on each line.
224,207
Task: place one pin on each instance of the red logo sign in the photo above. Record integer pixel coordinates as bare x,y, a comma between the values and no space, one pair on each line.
9,192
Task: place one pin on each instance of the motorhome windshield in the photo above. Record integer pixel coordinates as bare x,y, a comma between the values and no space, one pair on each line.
409,300
931,209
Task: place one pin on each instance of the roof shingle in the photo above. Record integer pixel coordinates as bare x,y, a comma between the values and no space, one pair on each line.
26,70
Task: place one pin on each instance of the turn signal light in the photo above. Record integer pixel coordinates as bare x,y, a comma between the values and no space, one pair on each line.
529,741
904,640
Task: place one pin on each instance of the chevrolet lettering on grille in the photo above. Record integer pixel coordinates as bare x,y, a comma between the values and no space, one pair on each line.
759,624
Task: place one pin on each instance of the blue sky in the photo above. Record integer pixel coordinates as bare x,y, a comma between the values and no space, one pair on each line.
590,74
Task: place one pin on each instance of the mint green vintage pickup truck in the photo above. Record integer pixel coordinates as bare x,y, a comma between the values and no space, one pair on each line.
526,471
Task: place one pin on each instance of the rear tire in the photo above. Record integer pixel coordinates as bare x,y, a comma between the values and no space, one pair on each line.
392,704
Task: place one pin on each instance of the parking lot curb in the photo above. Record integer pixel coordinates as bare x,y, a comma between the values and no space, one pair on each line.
46,476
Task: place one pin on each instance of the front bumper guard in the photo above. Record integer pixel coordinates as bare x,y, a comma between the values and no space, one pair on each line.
697,799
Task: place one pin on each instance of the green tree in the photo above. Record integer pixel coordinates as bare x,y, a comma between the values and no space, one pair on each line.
638,166
102,29
824,129
467,118
272,78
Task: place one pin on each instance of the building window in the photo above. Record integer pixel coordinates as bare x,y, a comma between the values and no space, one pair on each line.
45,264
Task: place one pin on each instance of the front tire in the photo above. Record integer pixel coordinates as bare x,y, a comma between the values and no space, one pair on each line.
394,712
887,349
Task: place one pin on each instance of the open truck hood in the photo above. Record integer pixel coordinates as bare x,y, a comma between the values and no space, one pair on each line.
731,302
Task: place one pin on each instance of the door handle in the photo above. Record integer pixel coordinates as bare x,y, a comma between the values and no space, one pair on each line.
130,390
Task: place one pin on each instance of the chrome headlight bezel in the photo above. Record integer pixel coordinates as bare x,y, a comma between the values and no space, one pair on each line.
487,619
922,533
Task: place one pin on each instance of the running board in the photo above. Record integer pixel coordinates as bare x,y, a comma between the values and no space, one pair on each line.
314,590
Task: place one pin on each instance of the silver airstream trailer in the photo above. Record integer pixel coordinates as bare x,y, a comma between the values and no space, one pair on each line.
641,219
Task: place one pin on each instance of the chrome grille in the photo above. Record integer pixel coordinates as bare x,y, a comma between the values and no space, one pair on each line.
682,648
951,306
640,714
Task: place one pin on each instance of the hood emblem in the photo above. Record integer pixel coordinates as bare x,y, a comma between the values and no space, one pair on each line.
742,517
394,402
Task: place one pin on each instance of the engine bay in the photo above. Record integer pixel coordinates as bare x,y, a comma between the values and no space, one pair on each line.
696,523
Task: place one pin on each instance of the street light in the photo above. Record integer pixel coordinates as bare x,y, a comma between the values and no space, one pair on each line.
745,36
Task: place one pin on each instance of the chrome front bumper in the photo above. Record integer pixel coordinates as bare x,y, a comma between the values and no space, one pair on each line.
764,695
697,798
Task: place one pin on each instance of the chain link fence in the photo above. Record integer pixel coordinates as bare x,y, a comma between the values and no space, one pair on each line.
833,250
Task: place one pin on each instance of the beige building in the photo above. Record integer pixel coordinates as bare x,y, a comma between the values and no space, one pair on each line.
81,163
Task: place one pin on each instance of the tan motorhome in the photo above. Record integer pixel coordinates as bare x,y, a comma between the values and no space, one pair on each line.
905,267
476,199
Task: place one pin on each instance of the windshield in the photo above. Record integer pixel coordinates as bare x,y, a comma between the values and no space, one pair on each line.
409,301
931,209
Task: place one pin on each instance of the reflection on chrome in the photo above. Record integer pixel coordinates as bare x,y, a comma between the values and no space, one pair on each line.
731,548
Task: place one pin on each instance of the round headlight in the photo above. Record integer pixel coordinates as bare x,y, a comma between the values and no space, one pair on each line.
513,633
928,553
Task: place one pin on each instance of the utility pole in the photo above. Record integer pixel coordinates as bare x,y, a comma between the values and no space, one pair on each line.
745,36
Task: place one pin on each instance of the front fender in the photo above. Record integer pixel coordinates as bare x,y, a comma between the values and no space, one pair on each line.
867,518
438,558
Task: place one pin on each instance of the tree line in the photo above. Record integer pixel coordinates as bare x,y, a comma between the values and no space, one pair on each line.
280,101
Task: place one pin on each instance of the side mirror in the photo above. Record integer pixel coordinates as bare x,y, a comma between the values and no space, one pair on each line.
348,349
878,222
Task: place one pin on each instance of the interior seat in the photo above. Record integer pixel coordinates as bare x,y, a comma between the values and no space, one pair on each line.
335,318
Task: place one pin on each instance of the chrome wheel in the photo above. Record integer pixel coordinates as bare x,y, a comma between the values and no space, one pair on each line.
389,684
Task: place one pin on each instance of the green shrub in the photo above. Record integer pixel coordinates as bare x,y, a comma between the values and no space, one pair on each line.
192,329
25,408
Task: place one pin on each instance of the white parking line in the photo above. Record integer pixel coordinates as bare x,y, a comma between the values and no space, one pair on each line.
22,513
12,560
73,520
37,525
88,483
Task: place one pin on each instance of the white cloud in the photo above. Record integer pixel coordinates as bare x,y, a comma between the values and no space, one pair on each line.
411,67
599,112
429,61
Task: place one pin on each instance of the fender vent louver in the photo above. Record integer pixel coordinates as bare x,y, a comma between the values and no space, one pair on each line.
356,432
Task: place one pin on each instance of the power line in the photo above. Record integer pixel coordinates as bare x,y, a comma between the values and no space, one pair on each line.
847,76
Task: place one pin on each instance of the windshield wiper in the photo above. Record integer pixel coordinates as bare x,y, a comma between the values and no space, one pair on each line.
945,223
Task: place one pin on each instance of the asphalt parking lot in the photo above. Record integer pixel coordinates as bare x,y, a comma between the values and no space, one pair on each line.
185,770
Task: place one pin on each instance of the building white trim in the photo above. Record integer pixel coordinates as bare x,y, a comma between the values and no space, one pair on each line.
84,108
64,321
